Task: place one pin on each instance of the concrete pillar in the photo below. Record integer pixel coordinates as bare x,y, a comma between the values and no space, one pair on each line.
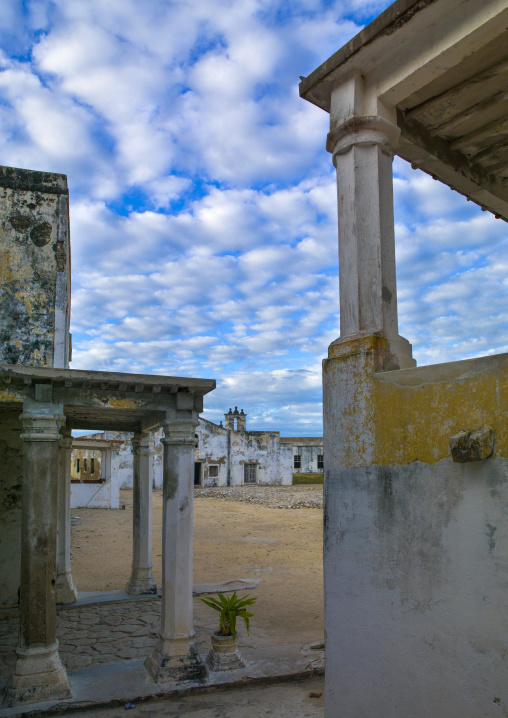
175,656
39,674
141,580
362,145
66,591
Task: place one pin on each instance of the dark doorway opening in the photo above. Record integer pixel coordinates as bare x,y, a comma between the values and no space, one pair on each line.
197,473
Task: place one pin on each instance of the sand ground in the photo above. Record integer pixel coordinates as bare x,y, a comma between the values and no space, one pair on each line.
280,547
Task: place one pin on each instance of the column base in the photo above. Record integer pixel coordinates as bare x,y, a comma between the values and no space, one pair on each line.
388,353
141,582
38,676
176,659
66,591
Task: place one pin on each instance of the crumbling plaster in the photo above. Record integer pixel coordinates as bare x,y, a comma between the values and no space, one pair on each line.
34,268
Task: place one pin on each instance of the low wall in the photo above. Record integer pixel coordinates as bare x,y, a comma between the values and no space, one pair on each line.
95,496
417,410
415,543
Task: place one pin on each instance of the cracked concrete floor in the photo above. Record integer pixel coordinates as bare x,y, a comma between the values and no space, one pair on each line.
284,700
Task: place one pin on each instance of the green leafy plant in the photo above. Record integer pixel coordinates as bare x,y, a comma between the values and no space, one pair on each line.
230,609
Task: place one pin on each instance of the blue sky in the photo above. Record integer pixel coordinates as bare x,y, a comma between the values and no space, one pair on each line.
203,212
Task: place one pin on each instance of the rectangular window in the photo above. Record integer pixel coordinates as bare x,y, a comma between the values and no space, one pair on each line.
320,463
297,464
249,473
84,465
213,471
77,466
92,466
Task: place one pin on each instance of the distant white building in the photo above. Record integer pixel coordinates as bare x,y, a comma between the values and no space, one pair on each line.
307,454
225,455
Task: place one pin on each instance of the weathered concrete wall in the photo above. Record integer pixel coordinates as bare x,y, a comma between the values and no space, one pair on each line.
95,496
416,544
382,418
273,460
212,450
416,564
418,410
11,463
34,268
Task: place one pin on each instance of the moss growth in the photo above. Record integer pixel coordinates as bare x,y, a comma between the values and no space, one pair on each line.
307,479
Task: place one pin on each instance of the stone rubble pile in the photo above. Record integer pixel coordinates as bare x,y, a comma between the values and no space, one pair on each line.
274,497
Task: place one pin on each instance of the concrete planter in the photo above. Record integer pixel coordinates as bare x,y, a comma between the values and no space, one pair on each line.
224,655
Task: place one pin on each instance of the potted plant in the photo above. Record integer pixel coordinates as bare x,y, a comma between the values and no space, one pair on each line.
224,655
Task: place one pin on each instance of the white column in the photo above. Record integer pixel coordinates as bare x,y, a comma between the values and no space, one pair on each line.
39,674
66,591
141,580
175,656
362,146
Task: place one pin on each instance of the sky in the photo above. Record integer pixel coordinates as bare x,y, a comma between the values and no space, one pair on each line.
203,203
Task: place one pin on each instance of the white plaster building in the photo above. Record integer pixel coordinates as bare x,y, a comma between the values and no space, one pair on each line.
226,455
307,453
95,468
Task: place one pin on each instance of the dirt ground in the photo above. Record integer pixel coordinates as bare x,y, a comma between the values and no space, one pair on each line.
280,547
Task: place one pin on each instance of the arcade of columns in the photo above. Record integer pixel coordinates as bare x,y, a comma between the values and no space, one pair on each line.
39,674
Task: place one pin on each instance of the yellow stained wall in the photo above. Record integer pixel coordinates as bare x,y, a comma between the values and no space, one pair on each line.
416,411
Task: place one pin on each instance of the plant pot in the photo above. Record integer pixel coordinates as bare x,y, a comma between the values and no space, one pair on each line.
224,655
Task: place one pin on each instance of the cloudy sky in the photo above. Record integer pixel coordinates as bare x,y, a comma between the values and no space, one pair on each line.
203,214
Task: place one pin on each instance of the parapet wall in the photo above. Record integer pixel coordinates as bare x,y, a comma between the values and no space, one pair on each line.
418,410
415,537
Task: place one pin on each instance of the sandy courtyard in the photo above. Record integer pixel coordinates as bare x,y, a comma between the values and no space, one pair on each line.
280,547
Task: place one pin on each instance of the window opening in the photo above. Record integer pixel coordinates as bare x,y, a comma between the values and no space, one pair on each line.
213,471
320,463
249,473
297,463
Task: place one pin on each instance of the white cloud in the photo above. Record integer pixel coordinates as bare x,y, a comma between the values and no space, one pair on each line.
203,203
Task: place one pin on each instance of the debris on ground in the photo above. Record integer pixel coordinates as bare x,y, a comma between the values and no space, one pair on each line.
275,497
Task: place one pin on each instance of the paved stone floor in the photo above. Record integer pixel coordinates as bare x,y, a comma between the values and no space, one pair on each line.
96,633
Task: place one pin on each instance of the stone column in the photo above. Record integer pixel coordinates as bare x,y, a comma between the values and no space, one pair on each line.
66,591
362,145
175,656
39,674
141,580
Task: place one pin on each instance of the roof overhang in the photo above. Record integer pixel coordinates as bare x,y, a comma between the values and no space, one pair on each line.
103,400
442,65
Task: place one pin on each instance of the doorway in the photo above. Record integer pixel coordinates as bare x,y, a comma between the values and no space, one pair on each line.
197,473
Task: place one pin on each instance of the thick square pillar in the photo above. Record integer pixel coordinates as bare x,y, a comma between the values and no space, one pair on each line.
66,591
39,674
141,580
175,656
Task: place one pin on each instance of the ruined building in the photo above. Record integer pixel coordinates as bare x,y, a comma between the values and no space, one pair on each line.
224,455
41,401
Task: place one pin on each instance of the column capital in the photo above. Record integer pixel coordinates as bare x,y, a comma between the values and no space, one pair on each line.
41,425
179,432
142,444
363,130
66,440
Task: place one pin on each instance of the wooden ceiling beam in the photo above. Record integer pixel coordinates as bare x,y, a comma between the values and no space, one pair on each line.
490,129
462,115
490,73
